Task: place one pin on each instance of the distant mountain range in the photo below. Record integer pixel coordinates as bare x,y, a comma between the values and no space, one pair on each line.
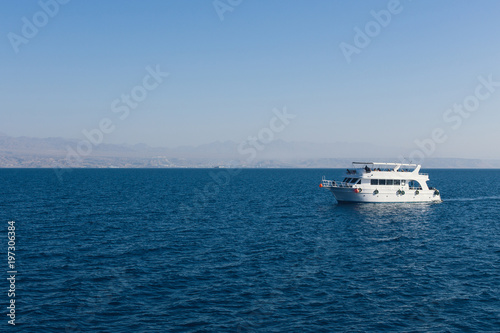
60,152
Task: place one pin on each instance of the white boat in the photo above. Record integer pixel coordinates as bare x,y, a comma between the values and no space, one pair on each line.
383,182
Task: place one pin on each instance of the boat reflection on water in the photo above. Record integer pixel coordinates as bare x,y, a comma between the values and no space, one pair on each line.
381,213
374,223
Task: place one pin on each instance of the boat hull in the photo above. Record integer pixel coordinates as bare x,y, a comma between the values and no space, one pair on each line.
349,195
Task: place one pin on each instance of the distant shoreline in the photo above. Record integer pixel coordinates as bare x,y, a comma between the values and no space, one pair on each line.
231,168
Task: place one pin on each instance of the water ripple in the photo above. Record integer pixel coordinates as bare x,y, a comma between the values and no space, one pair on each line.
144,251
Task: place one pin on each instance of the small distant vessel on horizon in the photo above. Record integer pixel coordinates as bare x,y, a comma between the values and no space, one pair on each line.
383,182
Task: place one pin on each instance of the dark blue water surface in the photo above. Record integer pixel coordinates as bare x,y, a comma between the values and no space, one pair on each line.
247,251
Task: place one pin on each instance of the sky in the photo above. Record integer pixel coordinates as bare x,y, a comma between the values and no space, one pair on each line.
423,75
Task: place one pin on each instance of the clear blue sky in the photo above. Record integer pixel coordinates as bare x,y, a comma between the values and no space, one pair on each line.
227,76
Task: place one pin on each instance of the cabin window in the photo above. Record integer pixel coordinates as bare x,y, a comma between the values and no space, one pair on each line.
403,182
381,181
389,182
414,185
397,182
374,182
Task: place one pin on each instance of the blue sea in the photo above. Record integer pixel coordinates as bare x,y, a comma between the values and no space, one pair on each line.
253,250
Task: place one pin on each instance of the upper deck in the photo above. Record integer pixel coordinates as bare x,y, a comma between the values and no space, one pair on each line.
386,170
379,166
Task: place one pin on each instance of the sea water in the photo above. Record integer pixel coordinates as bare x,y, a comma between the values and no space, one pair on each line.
252,250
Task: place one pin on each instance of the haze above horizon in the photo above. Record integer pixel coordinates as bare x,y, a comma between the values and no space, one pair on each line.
413,74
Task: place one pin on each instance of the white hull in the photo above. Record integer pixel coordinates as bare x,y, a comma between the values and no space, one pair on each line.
348,195
383,182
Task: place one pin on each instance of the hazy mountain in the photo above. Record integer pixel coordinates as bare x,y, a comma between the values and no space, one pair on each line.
55,146
47,152
278,149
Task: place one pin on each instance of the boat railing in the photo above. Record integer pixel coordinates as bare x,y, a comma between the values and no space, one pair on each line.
328,183
332,183
384,170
